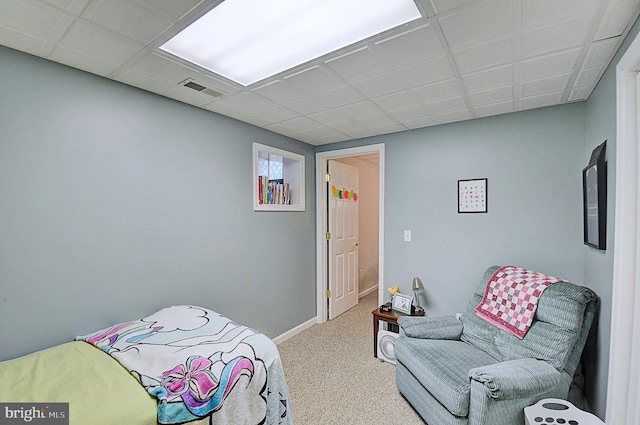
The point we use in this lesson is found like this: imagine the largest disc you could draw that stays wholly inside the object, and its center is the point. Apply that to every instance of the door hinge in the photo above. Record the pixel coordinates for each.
(328, 294)
(328, 236)
(327, 177)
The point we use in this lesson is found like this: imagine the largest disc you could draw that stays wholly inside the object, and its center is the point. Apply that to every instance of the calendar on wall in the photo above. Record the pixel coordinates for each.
(472, 196)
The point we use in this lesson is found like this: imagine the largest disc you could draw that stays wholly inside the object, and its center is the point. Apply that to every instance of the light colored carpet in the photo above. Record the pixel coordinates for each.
(333, 377)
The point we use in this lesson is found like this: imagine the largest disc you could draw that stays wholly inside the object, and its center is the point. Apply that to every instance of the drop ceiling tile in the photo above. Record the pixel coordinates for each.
(547, 99)
(580, 93)
(163, 68)
(439, 91)
(329, 117)
(142, 80)
(495, 109)
(226, 109)
(423, 121)
(313, 80)
(381, 85)
(426, 73)
(588, 77)
(278, 114)
(360, 110)
(324, 133)
(323, 101)
(170, 9)
(29, 18)
(616, 18)
(280, 92)
(74, 6)
(250, 103)
(544, 85)
(358, 65)
(81, 60)
(442, 6)
(378, 130)
(454, 116)
(410, 48)
(19, 41)
(492, 96)
(451, 104)
(600, 52)
(395, 101)
(409, 113)
(541, 13)
(326, 139)
(488, 55)
(301, 124)
(287, 131)
(489, 78)
(566, 36)
(128, 19)
(543, 66)
(481, 23)
(93, 41)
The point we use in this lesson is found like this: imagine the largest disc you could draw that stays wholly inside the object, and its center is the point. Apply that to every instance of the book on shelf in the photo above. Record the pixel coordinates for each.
(273, 192)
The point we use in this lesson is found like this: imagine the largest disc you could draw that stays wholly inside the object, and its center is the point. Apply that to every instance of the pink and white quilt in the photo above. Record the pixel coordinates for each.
(202, 367)
(511, 298)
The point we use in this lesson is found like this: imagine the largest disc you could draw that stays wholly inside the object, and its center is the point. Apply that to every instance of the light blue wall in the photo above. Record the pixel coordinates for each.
(115, 202)
(533, 162)
(601, 126)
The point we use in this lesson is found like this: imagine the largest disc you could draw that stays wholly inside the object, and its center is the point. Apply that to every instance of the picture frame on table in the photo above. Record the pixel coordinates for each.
(402, 303)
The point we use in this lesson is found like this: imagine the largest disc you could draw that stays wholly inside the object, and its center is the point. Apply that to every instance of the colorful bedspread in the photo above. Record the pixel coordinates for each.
(511, 299)
(202, 367)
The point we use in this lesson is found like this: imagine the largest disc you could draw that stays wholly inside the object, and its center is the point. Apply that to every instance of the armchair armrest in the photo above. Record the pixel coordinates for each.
(445, 327)
(517, 379)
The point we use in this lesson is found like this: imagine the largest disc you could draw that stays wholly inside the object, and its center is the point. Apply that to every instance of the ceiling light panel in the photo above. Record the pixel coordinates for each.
(249, 40)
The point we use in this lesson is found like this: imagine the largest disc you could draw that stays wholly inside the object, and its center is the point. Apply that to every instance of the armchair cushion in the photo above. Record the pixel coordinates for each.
(448, 376)
(445, 327)
(515, 379)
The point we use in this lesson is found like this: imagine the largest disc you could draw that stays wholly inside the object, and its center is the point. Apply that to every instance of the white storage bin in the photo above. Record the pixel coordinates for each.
(556, 411)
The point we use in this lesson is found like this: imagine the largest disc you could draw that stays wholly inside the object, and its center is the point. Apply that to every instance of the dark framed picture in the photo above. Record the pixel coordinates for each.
(402, 303)
(594, 198)
(472, 196)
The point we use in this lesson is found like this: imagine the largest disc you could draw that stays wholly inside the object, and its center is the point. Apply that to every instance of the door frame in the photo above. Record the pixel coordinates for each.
(321, 220)
(623, 389)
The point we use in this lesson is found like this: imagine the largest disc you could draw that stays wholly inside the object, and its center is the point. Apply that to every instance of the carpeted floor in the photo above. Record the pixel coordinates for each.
(333, 377)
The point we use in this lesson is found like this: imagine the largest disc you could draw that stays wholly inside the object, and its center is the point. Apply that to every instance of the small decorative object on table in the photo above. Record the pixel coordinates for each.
(402, 303)
(386, 307)
(418, 288)
(558, 411)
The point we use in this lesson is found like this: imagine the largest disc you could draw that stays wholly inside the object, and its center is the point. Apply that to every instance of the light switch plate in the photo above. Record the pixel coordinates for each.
(407, 235)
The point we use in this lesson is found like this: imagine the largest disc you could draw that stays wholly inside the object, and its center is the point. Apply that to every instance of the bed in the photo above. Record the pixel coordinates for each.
(182, 364)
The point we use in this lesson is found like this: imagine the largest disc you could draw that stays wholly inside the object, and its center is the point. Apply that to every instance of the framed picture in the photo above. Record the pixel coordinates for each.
(402, 303)
(472, 196)
(594, 197)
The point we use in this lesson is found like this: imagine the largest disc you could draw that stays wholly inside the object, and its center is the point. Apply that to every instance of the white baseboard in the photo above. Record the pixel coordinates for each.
(367, 291)
(293, 332)
(306, 325)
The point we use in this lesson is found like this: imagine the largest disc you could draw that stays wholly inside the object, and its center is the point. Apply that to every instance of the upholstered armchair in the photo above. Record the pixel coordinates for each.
(469, 371)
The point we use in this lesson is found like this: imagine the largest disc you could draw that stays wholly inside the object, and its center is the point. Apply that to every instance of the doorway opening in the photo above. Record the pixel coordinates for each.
(362, 154)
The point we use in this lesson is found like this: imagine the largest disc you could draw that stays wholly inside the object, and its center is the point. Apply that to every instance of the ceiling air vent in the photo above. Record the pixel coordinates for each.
(190, 83)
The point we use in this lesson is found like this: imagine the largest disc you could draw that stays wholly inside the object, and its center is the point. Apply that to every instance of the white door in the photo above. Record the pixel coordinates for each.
(343, 237)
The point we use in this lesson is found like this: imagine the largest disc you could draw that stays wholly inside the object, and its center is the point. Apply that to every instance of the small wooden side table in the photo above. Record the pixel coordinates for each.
(389, 317)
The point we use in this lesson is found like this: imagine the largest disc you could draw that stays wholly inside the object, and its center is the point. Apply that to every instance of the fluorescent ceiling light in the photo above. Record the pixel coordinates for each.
(249, 40)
